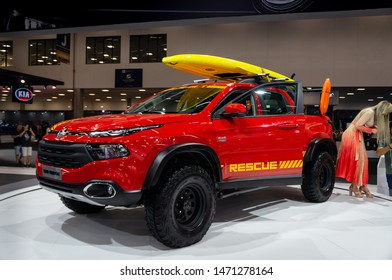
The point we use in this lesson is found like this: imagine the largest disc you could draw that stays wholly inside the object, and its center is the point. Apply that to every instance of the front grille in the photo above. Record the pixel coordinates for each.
(60, 186)
(63, 154)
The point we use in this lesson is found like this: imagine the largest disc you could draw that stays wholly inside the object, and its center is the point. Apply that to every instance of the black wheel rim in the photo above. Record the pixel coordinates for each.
(190, 207)
(325, 176)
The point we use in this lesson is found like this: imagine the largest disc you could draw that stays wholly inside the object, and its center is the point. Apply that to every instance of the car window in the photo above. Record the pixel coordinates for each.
(236, 96)
(275, 100)
(267, 99)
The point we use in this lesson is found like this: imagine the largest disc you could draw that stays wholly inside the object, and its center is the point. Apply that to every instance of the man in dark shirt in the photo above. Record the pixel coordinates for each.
(27, 144)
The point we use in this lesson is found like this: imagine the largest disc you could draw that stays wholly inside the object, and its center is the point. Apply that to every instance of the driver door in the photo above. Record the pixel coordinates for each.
(266, 139)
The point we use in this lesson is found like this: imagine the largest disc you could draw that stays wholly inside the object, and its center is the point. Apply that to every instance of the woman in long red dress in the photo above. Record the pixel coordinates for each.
(352, 163)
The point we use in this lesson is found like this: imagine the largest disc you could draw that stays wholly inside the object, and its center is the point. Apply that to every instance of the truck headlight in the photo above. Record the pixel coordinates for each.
(107, 151)
(121, 132)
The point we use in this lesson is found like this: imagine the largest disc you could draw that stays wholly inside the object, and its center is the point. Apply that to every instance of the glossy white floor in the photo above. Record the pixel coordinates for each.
(267, 224)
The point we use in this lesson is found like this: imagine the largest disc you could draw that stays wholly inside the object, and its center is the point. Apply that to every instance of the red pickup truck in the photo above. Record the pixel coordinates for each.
(180, 150)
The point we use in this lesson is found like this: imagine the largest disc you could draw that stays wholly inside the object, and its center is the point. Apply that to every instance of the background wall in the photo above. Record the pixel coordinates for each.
(351, 49)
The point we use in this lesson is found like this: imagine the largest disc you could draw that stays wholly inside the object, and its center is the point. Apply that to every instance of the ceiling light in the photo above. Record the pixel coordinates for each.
(370, 99)
(142, 89)
(360, 89)
(105, 90)
(350, 93)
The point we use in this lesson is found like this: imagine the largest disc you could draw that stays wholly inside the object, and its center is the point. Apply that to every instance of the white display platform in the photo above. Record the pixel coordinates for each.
(275, 223)
(382, 184)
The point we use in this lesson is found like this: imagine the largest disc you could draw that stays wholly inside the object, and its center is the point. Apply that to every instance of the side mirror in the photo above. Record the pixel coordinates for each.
(235, 109)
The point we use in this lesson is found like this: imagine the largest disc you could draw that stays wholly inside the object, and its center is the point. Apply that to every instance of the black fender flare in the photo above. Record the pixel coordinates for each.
(168, 153)
(318, 145)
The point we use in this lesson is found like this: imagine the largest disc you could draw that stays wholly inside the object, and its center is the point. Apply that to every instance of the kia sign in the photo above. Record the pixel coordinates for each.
(22, 94)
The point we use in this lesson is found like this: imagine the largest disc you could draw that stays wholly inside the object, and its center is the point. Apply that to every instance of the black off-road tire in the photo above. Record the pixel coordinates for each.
(80, 207)
(319, 178)
(180, 210)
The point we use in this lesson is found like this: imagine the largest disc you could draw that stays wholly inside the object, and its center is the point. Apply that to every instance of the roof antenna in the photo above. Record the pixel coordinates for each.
(292, 76)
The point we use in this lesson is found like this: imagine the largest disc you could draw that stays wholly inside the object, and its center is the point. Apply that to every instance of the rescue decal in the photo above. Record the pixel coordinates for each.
(260, 166)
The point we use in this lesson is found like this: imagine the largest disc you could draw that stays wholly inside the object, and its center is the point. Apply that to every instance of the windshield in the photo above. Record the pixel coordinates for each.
(184, 100)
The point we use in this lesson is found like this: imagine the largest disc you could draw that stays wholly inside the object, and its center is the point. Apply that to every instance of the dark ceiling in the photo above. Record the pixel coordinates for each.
(9, 77)
(46, 15)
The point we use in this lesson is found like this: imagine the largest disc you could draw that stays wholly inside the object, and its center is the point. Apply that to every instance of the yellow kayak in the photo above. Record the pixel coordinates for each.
(215, 67)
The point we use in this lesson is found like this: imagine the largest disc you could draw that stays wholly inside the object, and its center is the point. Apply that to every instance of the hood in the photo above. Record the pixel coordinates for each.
(118, 121)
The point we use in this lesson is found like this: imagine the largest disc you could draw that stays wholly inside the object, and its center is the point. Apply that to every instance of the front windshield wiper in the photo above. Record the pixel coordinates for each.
(151, 112)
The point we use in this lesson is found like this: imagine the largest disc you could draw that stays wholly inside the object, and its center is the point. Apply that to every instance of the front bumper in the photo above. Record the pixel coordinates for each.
(96, 192)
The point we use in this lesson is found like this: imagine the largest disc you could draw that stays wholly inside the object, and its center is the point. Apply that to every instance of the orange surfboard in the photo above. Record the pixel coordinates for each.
(324, 98)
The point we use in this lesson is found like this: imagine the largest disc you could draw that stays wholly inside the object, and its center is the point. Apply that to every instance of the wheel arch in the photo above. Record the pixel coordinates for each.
(183, 153)
(319, 145)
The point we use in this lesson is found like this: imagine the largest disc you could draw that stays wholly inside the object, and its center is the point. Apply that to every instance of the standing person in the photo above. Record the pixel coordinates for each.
(27, 144)
(385, 148)
(352, 163)
(17, 136)
(45, 128)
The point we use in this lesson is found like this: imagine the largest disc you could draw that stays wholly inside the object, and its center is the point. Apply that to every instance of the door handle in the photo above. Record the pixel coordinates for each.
(288, 125)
